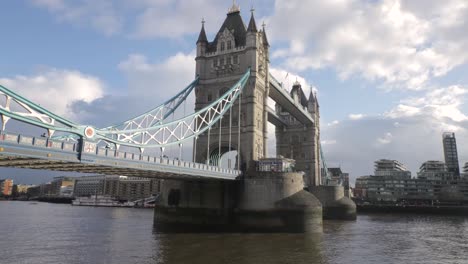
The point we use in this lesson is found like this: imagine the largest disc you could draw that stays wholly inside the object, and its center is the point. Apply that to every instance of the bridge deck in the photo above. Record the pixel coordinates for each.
(282, 97)
(41, 153)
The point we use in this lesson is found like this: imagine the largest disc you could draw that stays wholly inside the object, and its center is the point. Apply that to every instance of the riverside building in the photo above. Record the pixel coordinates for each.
(450, 153)
(436, 181)
(120, 187)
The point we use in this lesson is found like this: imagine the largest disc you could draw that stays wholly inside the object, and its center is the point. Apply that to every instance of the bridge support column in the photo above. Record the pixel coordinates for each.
(276, 201)
(194, 206)
(336, 206)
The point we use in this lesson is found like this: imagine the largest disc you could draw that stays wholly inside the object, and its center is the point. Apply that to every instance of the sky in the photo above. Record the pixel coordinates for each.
(390, 74)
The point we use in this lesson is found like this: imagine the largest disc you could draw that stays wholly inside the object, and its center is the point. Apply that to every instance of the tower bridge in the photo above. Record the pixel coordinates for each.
(232, 90)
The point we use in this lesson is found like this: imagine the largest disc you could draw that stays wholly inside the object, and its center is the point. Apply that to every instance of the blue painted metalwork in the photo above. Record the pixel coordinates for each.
(83, 153)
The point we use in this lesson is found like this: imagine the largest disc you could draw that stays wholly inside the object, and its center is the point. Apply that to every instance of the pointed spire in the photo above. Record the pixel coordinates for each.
(252, 25)
(202, 37)
(234, 9)
(265, 40)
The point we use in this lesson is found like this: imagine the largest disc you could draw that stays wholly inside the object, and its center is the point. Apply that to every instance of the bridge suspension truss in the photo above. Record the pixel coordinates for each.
(150, 130)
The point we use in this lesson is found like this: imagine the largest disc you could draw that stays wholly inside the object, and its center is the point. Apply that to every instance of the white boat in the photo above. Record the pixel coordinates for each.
(100, 200)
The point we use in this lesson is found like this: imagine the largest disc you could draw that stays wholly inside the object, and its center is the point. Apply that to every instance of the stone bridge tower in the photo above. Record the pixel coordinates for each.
(219, 65)
(300, 142)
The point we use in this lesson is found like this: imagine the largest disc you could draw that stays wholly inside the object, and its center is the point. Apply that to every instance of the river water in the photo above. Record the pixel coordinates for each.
(53, 233)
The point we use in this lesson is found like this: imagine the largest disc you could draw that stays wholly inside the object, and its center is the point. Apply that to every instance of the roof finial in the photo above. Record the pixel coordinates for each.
(263, 25)
(297, 82)
(235, 8)
(203, 21)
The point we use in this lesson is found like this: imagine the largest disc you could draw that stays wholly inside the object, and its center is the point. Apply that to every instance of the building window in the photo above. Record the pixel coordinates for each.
(222, 46)
(229, 45)
(214, 63)
(210, 97)
(236, 59)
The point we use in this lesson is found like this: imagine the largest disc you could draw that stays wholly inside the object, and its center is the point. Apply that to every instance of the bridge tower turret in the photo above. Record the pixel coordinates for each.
(301, 142)
(219, 64)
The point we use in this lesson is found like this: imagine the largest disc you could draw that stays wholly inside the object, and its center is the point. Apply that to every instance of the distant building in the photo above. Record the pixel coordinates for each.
(394, 168)
(6, 187)
(465, 169)
(62, 186)
(23, 188)
(34, 191)
(450, 153)
(434, 170)
(434, 183)
(134, 188)
(89, 185)
(119, 187)
(336, 177)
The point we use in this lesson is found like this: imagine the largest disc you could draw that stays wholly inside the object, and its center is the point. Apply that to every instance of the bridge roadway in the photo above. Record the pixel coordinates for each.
(282, 97)
(46, 154)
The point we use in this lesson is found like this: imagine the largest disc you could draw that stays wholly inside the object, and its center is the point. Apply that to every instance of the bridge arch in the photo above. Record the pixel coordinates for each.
(225, 157)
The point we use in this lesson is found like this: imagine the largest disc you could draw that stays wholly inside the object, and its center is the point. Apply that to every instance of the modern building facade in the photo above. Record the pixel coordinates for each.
(393, 168)
(450, 153)
(434, 170)
(433, 184)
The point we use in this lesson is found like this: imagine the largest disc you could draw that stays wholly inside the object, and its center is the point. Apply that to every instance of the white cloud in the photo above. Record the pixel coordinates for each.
(149, 84)
(173, 19)
(333, 123)
(386, 139)
(389, 40)
(101, 15)
(439, 103)
(356, 116)
(56, 89)
(163, 79)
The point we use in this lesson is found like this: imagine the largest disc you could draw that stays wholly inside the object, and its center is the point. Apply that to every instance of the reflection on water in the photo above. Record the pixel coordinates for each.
(49, 233)
(240, 248)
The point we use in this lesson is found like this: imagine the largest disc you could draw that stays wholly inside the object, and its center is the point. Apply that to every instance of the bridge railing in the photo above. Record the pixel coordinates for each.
(39, 142)
(91, 148)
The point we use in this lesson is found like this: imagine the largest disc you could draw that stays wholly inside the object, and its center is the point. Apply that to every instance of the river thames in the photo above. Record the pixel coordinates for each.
(39, 233)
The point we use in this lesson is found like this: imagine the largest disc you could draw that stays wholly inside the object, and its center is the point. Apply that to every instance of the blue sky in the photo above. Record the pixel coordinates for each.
(390, 74)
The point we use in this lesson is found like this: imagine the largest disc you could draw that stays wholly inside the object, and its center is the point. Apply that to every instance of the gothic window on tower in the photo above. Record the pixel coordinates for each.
(229, 45)
(214, 63)
(236, 59)
(222, 61)
(222, 46)
(210, 97)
